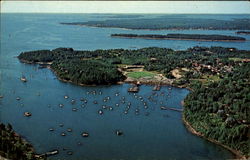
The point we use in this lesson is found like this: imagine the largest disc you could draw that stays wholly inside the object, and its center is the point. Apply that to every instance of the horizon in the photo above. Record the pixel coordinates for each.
(127, 13)
(127, 7)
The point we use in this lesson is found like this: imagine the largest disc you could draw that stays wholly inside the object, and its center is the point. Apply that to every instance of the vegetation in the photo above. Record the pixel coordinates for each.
(12, 146)
(220, 110)
(166, 22)
(218, 105)
(79, 67)
(87, 72)
(140, 74)
(183, 37)
(243, 32)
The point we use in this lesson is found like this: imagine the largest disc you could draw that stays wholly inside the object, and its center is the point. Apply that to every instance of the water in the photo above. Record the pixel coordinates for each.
(152, 134)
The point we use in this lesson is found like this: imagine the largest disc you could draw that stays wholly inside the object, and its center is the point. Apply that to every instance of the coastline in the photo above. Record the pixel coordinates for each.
(30, 62)
(31, 147)
(238, 154)
(147, 29)
(26, 141)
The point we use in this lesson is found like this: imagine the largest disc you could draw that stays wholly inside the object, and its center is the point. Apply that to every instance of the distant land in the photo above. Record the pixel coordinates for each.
(243, 32)
(196, 37)
(175, 23)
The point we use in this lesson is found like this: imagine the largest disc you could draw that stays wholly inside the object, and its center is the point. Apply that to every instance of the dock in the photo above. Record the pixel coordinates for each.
(171, 108)
(134, 89)
(50, 153)
(157, 88)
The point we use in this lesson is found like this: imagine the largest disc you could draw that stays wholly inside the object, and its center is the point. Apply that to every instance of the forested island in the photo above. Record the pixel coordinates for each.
(176, 23)
(243, 32)
(196, 37)
(218, 104)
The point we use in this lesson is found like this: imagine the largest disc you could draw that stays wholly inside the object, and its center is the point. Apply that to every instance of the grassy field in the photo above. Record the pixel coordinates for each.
(211, 77)
(140, 74)
(235, 59)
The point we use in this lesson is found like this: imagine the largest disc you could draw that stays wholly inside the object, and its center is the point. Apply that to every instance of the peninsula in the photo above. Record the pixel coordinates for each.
(243, 32)
(216, 108)
(196, 37)
(166, 22)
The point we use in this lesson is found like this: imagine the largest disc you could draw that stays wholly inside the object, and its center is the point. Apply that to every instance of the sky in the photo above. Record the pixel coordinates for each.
(223, 7)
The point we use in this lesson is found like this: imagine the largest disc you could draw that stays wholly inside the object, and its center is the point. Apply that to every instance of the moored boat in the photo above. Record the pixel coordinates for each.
(27, 114)
(23, 79)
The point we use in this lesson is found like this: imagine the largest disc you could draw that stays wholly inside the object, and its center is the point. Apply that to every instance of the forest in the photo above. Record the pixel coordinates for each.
(179, 23)
(88, 72)
(220, 110)
(243, 32)
(218, 105)
(12, 146)
(183, 37)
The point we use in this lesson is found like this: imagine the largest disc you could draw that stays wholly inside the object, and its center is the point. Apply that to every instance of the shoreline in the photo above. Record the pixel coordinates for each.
(147, 29)
(31, 147)
(23, 140)
(237, 154)
(181, 39)
(30, 62)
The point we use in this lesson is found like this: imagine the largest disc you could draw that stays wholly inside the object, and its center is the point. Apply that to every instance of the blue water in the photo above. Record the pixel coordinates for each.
(150, 133)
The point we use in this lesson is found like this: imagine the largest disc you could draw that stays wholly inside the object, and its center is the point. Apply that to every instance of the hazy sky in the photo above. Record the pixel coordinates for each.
(126, 6)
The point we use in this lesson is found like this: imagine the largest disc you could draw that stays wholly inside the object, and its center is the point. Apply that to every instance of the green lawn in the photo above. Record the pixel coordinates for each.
(235, 59)
(140, 74)
(211, 77)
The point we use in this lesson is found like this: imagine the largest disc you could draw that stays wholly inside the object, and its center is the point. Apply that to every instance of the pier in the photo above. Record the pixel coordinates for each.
(134, 89)
(171, 108)
(50, 153)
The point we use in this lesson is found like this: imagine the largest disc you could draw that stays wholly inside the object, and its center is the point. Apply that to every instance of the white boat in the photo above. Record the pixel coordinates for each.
(23, 79)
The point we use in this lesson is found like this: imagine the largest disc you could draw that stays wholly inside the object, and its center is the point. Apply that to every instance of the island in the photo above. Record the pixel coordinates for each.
(169, 23)
(243, 32)
(217, 107)
(196, 37)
